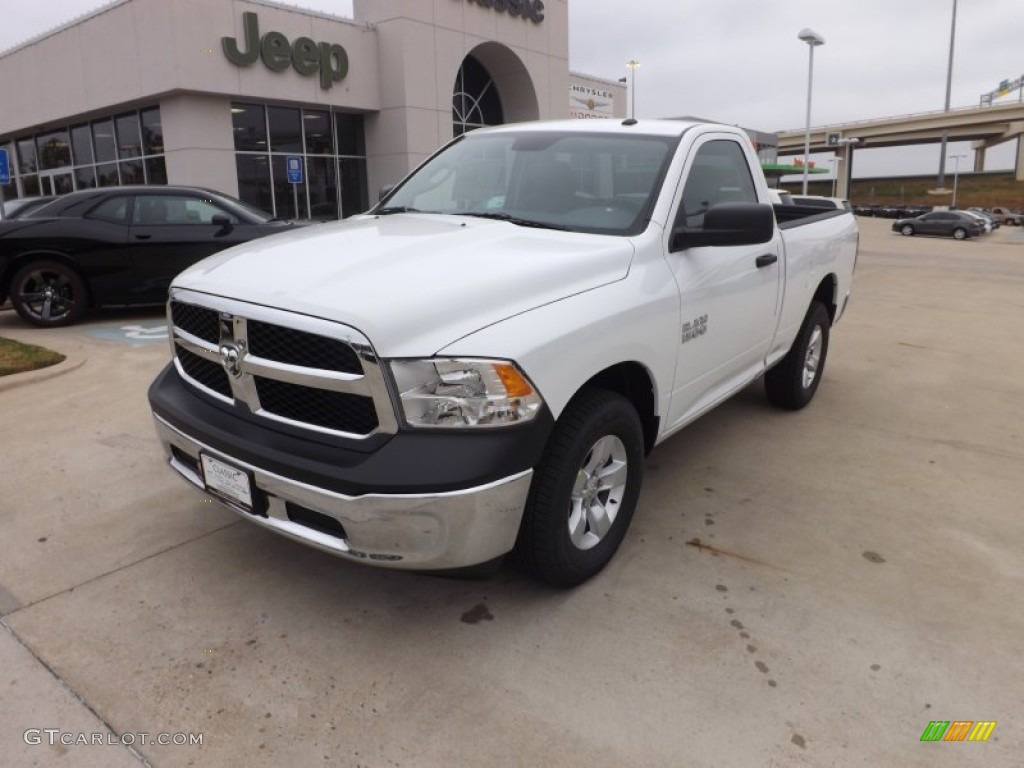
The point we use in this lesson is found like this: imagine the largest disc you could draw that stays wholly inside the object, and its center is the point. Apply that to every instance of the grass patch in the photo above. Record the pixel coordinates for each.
(985, 190)
(16, 357)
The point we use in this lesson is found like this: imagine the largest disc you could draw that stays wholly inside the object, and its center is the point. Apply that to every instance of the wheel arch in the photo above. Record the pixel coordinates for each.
(827, 293)
(634, 382)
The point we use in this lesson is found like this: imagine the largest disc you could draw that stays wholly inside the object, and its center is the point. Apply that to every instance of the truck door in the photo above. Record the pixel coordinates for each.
(729, 295)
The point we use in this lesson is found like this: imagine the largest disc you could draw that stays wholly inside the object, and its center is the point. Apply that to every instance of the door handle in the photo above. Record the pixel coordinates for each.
(766, 260)
(143, 237)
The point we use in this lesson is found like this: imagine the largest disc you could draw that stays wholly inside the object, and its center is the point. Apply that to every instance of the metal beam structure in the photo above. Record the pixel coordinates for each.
(987, 126)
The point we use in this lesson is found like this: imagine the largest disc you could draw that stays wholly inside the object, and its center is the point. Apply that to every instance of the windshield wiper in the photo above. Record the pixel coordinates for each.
(397, 209)
(498, 216)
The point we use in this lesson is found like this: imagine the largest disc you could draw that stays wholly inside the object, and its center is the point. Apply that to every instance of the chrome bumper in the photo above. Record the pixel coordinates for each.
(433, 531)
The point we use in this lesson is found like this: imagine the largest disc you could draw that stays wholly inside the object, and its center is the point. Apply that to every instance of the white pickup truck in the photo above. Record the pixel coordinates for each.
(480, 364)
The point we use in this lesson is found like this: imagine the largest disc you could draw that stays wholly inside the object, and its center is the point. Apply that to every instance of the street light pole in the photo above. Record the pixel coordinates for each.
(632, 65)
(812, 39)
(949, 86)
(835, 176)
(956, 176)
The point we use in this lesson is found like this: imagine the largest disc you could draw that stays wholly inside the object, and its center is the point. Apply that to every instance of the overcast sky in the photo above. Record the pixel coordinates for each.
(739, 61)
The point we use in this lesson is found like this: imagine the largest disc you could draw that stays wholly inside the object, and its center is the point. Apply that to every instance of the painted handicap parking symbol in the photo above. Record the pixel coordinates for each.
(130, 333)
(141, 332)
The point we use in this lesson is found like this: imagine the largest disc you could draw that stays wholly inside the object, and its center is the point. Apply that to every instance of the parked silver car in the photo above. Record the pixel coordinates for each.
(956, 224)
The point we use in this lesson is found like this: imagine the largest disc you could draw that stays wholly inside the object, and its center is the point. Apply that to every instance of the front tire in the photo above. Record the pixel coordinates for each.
(792, 383)
(907, 230)
(48, 294)
(584, 490)
(960, 233)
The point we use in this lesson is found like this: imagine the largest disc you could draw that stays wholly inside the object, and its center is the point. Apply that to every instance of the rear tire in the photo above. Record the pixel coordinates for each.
(792, 383)
(48, 294)
(584, 490)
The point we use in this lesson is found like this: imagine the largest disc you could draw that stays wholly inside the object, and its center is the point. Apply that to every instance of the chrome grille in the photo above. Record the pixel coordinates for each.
(285, 367)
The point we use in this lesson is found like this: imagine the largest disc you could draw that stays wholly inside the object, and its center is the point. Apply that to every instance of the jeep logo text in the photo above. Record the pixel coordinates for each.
(304, 55)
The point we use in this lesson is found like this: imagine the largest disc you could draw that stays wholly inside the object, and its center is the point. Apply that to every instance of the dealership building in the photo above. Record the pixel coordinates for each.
(248, 96)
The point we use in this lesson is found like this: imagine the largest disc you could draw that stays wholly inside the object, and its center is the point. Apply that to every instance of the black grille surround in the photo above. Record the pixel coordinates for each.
(281, 367)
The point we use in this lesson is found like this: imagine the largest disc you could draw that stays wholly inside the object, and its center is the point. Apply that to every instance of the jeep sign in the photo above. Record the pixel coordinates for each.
(304, 55)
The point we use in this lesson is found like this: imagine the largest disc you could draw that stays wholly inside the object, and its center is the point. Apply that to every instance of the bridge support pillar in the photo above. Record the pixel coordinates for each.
(979, 159)
(844, 172)
(1020, 159)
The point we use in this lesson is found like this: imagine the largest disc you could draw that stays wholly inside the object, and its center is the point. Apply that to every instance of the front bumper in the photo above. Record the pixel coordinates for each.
(421, 531)
(416, 499)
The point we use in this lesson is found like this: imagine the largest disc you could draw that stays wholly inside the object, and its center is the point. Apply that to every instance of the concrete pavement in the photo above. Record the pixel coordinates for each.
(796, 589)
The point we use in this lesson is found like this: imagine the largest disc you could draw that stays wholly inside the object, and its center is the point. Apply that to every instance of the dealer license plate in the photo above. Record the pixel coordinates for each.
(230, 483)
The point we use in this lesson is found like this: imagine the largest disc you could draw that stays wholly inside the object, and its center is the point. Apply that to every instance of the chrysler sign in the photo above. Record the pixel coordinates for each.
(304, 55)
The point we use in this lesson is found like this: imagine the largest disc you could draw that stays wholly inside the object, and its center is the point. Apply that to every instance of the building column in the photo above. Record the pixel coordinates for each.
(199, 144)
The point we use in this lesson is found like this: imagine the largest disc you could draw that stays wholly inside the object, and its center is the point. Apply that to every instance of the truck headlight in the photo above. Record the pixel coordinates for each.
(464, 393)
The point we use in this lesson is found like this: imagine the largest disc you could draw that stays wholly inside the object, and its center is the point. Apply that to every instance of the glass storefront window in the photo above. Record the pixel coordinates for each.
(131, 172)
(156, 170)
(285, 129)
(30, 185)
(323, 188)
(85, 178)
(129, 139)
(27, 156)
(249, 124)
(353, 187)
(351, 140)
(152, 132)
(103, 140)
(317, 126)
(319, 137)
(81, 145)
(88, 155)
(61, 183)
(106, 175)
(254, 181)
(54, 150)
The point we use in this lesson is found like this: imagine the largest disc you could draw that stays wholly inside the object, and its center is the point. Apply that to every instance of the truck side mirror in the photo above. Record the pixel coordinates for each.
(728, 224)
(384, 191)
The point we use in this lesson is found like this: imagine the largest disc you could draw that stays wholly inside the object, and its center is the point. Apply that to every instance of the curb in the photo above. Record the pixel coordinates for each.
(72, 362)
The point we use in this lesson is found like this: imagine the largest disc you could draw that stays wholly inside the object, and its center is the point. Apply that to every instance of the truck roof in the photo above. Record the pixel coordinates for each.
(667, 127)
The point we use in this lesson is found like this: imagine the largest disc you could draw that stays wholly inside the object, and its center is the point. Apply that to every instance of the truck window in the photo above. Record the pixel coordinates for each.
(720, 174)
(585, 182)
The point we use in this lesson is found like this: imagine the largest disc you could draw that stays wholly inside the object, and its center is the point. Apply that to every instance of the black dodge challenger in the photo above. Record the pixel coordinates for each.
(116, 246)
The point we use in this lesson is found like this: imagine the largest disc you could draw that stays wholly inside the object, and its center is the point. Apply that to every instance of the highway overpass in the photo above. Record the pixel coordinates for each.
(983, 126)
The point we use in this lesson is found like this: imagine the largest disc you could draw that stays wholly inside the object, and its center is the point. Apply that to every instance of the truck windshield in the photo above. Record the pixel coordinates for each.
(581, 182)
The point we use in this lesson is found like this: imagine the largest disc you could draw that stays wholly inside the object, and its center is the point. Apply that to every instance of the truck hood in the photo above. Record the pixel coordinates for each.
(412, 283)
